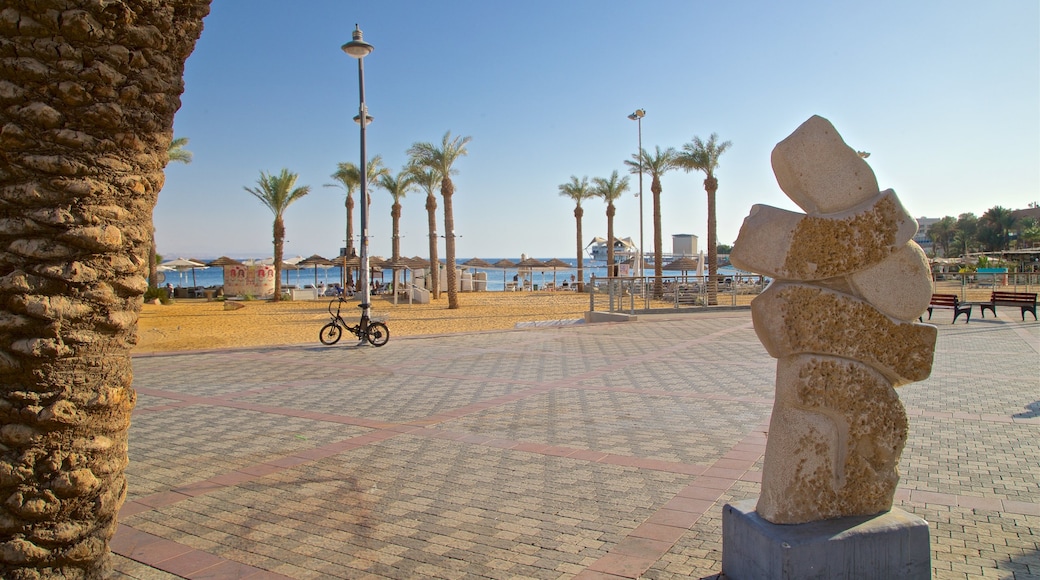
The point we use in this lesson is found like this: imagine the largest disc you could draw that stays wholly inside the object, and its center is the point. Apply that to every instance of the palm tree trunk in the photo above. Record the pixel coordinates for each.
(610, 240)
(348, 276)
(578, 214)
(655, 189)
(395, 242)
(431, 212)
(711, 185)
(83, 158)
(153, 276)
(447, 190)
(279, 242)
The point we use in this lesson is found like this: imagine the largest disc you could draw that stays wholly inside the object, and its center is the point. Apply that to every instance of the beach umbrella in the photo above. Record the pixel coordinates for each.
(183, 265)
(347, 264)
(557, 264)
(531, 264)
(223, 261)
(315, 260)
(684, 264)
(477, 263)
(504, 264)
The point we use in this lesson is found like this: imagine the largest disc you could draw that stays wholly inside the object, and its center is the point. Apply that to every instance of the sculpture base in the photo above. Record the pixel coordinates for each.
(893, 544)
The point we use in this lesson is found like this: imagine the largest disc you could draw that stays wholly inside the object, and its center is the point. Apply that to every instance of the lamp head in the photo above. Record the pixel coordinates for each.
(357, 47)
(639, 114)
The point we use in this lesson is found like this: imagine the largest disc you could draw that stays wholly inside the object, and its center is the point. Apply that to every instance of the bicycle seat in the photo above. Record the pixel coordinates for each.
(363, 305)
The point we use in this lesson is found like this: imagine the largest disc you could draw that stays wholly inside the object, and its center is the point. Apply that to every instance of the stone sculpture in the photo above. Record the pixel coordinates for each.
(848, 284)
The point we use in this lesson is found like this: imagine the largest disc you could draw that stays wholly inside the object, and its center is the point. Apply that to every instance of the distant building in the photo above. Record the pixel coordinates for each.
(684, 244)
(922, 239)
(1031, 212)
(624, 248)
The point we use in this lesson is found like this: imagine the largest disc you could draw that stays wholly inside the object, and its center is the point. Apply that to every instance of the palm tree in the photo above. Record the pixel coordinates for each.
(72, 287)
(610, 189)
(428, 180)
(655, 165)
(700, 156)
(441, 160)
(967, 231)
(397, 186)
(941, 233)
(578, 190)
(1001, 221)
(277, 192)
(176, 152)
(349, 177)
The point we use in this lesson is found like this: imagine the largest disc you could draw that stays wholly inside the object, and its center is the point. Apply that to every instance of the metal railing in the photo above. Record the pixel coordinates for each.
(977, 286)
(634, 294)
(640, 293)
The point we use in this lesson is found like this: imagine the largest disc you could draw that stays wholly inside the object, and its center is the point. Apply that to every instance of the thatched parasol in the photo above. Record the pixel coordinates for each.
(684, 263)
(504, 265)
(316, 260)
(224, 261)
(531, 264)
(477, 263)
(558, 264)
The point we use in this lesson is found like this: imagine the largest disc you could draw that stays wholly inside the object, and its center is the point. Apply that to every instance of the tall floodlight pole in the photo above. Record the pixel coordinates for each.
(359, 49)
(638, 118)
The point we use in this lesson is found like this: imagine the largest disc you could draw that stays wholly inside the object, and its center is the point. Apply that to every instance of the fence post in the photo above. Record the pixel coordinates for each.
(592, 293)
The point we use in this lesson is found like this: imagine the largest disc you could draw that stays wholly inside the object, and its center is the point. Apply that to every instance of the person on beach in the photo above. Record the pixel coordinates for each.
(169, 290)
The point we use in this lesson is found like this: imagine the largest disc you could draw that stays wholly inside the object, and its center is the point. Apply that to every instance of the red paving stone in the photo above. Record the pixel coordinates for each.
(640, 545)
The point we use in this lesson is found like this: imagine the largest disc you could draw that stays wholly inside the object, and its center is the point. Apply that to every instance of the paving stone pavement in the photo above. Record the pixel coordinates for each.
(594, 451)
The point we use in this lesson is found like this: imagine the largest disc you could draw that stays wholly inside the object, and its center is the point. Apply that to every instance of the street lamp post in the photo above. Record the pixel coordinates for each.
(359, 49)
(638, 118)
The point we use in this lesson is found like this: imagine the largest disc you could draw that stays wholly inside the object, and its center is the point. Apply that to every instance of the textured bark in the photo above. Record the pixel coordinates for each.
(395, 240)
(153, 281)
(578, 214)
(88, 91)
(350, 226)
(711, 185)
(395, 217)
(655, 189)
(435, 279)
(279, 255)
(348, 273)
(447, 190)
(610, 239)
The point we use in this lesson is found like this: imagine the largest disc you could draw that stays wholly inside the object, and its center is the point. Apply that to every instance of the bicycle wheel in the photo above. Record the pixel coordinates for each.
(377, 333)
(330, 333)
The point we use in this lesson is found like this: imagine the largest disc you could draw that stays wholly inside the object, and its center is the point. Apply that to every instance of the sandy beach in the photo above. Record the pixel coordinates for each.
(189, 324)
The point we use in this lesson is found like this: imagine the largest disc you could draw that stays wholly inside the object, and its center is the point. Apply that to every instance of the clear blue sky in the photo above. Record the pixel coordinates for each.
(943, 93)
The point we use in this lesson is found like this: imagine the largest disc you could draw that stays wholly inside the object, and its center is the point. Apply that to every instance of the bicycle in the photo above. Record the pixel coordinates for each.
(375, 332)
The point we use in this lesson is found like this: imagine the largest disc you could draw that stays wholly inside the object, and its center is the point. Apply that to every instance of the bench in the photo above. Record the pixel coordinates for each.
(1024, 300)
(951, 302)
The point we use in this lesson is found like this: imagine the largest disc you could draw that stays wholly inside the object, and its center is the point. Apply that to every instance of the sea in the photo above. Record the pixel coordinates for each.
(321, 276)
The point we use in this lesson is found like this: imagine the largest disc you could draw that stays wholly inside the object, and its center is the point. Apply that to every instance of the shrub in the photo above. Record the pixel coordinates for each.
(153, 293)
